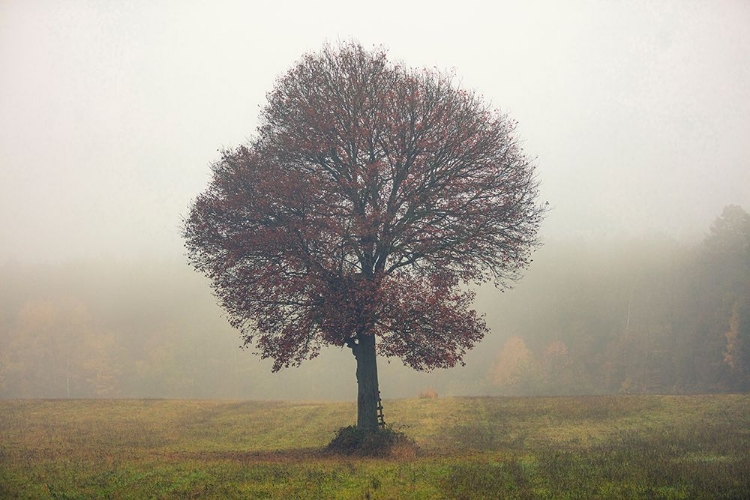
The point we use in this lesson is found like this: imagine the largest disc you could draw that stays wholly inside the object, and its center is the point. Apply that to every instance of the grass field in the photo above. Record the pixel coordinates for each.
(582, 447)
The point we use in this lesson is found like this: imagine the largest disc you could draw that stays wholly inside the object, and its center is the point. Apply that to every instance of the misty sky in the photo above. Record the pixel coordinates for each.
(111, 112)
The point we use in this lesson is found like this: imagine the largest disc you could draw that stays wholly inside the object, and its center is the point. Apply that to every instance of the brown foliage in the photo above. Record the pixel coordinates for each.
(370, 193)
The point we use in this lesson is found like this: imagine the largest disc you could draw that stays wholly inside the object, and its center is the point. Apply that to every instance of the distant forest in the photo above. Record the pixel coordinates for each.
(639, 317)
(648, 316)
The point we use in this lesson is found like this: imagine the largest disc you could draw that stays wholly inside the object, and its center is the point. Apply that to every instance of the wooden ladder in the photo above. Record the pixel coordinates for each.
(381, 418)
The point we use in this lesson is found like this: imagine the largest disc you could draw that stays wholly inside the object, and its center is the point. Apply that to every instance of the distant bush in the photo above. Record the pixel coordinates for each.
(384, 443)
(428, 394)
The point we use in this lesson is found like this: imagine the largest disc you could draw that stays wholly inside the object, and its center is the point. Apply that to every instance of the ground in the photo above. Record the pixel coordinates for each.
(579, 447)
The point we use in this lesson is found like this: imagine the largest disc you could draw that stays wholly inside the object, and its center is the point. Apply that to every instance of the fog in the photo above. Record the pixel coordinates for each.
(638, 115)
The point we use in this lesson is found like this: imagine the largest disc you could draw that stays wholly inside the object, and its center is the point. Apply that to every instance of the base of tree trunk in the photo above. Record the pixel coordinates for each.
(365, 443)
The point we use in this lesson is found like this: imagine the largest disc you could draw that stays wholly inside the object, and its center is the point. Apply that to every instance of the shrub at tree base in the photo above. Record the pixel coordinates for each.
(383, 444)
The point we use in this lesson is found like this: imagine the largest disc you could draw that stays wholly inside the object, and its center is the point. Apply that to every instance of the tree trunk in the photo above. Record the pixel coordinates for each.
(367, 384)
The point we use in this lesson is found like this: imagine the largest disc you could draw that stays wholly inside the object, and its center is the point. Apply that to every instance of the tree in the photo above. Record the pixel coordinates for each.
(370, 194)
(724, 288)
(513, 368)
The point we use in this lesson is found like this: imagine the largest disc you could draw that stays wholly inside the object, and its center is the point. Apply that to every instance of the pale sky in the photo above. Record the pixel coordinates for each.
(111, 112)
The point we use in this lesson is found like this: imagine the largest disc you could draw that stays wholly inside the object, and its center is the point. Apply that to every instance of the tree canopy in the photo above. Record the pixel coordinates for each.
(370, 194)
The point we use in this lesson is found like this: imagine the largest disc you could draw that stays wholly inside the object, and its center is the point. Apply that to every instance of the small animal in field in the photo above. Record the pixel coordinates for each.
(428, 394)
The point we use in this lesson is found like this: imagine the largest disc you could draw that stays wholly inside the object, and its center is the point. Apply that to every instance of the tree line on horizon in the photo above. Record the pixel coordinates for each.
(654, 316)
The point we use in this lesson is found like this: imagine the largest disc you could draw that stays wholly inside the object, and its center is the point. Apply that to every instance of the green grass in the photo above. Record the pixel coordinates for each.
(584, 447)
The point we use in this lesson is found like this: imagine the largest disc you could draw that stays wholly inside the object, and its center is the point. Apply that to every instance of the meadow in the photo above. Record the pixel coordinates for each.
(567, 447)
